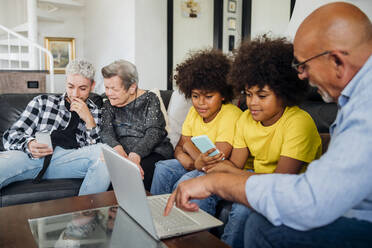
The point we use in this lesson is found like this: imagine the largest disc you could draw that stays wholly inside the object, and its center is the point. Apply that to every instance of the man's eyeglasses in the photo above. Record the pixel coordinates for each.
(300, 66)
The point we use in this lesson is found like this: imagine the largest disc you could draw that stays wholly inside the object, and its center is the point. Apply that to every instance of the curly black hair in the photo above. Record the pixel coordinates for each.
(267, 61)
(205, 70)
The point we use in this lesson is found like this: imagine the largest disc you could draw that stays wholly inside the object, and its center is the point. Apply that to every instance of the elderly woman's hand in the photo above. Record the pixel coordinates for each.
(134, 157)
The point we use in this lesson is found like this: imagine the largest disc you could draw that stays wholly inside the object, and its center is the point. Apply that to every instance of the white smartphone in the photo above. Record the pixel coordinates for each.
(43, 138)
(203, 143)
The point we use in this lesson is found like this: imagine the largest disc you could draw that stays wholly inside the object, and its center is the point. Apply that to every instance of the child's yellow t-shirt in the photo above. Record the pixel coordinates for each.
(220, 129)
(294, 135)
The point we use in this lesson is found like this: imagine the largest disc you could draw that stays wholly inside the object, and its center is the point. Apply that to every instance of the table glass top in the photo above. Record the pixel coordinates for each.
(100, 227)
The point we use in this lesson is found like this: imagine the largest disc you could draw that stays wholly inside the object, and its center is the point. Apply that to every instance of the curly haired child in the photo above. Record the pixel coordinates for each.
(203, 78)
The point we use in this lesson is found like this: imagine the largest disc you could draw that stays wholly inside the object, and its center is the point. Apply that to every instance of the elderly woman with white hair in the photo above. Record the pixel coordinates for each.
(132, 121)
(73, 122)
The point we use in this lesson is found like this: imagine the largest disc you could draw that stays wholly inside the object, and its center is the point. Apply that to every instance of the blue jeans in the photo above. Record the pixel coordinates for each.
(166, 174)
(169, 173)
(208, 204)
(233, 233)
(84, 163)
(343, 232)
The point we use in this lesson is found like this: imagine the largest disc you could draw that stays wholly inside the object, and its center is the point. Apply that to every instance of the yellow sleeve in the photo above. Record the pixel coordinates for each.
(188, 123)
(301, 140)
(226, 130)
(239, 139)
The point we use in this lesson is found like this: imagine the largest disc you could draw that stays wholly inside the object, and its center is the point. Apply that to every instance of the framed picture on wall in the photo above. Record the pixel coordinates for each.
(63, 51)
(231, 6)
(231, 23)
(190, 8)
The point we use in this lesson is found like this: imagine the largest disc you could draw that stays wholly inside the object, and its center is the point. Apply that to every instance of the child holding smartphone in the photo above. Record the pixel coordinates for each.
(274, 135)
(201, 77)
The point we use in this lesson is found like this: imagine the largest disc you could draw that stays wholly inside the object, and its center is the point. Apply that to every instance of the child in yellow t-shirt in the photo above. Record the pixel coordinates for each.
(202, 77)
(274, 135)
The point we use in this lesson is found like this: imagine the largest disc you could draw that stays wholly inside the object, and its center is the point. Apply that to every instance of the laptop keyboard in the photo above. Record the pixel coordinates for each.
(176, 220)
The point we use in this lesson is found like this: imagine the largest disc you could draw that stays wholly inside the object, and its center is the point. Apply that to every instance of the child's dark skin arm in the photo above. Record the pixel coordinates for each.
(235, 164)
(187, 153)
(190, 148)
(288, 165)
(179, 153)
(285, 165)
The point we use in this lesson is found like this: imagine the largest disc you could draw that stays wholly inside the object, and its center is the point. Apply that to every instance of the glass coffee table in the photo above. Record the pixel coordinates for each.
(84, 221)
(99, 228)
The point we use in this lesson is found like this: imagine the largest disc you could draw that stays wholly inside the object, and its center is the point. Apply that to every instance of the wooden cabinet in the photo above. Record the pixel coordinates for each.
(22, 81)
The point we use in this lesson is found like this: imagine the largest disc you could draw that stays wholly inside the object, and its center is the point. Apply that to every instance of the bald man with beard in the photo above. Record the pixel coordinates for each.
(330, 205)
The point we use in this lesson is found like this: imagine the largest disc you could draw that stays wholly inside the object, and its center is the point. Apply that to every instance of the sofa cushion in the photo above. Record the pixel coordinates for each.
(28, 192)
(322, 113)
(11, 107)
(162, 107)
(177, 111)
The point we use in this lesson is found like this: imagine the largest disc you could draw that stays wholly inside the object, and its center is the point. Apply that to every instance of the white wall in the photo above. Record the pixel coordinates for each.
(197, 33)
(14, 13)
(191, 33)
(109, 33)
(131, 30)
(270, 16)
(135, 30)
(104, 31)
(71, 27)
(151, 43)
(10, 18)
(304, 7)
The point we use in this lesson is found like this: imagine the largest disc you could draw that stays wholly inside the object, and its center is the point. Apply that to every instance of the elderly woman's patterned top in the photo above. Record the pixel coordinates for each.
(138, 126)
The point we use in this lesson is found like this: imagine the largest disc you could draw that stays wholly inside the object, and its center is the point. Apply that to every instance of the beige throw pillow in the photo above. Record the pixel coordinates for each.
(162, 107)
(177, 111)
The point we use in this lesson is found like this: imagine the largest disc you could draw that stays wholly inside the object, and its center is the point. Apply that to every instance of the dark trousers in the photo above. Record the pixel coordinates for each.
(148, 166)
(343, 232)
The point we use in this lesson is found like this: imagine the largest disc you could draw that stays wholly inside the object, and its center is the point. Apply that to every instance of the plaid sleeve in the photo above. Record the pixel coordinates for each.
(20, 133)
(93, 134)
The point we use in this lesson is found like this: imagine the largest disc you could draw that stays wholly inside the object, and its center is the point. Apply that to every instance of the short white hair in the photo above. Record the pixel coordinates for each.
(81, 67)
(124, 70)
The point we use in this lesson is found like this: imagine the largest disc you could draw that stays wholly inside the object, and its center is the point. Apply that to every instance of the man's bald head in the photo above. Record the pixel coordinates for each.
(331, 45)
(338, 25)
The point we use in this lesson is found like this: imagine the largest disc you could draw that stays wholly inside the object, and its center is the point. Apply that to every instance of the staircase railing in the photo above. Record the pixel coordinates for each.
(20, 54)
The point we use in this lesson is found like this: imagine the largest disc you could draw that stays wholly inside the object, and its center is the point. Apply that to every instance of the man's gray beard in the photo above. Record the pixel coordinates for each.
(325, 96)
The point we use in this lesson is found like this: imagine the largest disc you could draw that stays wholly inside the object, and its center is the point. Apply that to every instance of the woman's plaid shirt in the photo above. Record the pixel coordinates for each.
(48, 113)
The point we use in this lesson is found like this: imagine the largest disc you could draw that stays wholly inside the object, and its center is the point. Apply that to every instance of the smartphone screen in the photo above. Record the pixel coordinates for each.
(203, 143)
(43, 138)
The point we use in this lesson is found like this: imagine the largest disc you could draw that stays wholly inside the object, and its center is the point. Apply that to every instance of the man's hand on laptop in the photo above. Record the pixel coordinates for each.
(196, 188)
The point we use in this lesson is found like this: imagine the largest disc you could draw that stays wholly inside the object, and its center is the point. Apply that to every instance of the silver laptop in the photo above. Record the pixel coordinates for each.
(148, 211)
(128, 233)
